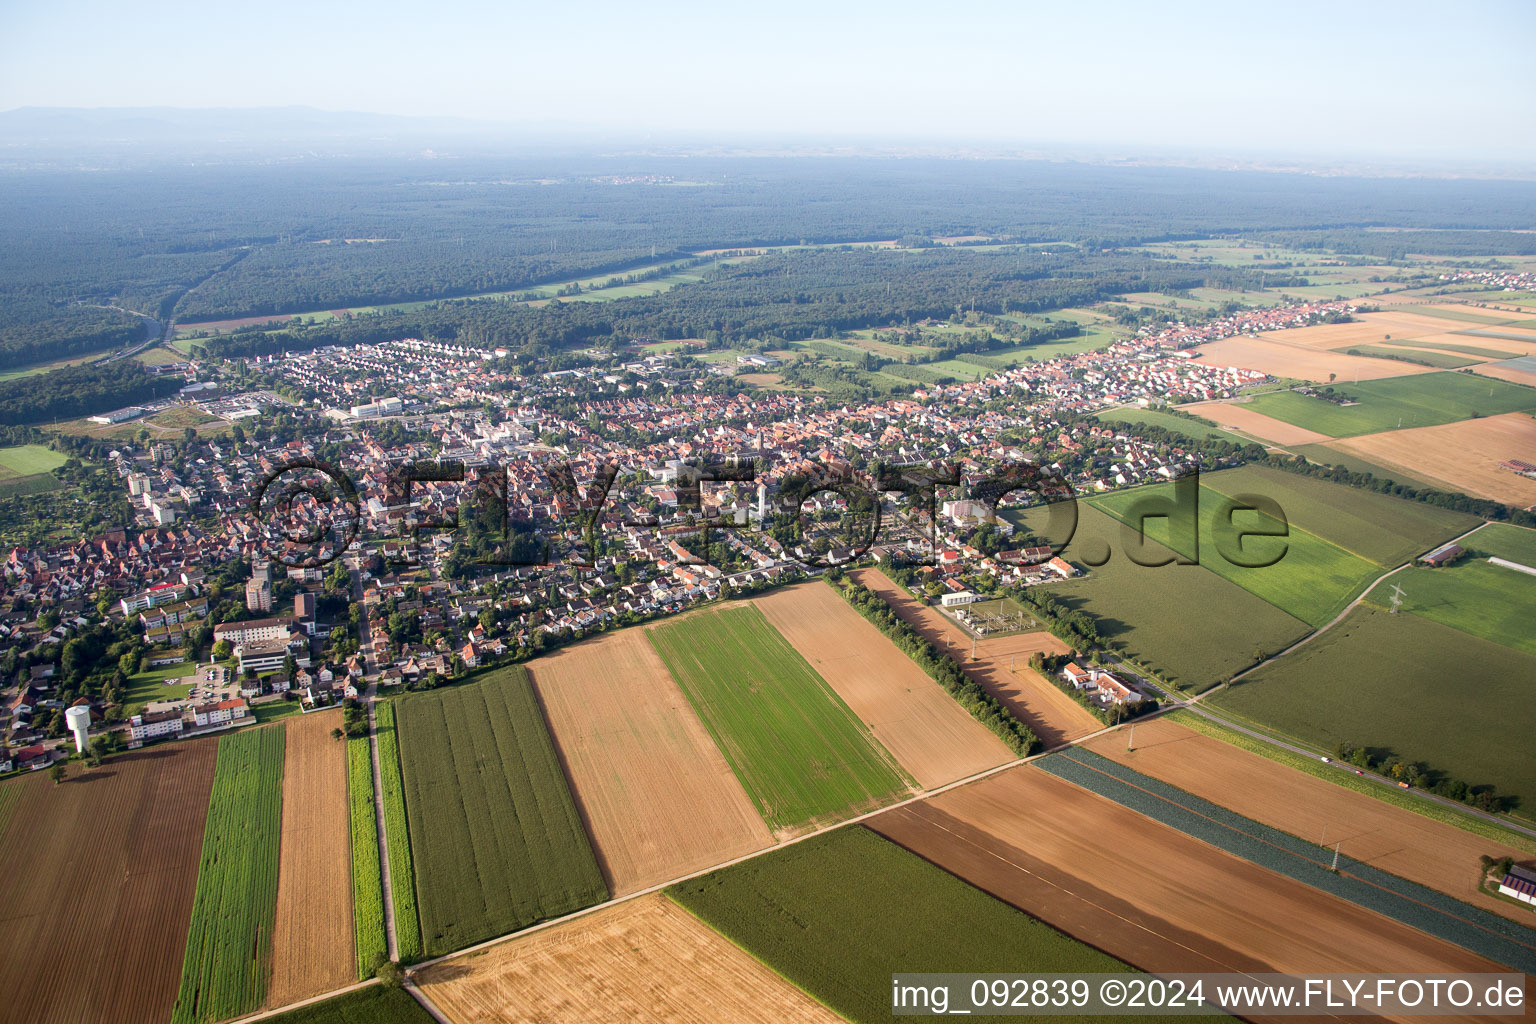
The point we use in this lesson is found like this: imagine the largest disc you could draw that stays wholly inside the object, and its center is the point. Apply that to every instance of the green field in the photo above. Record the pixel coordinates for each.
(1183, 621)
(1312, 580)
(1377, 527)
(1490, 601)
(367, 882)
(798, 750)
(1487, 353)
(28, 460)
(402, 875)
(1323, 455)
(1439, 360)
(1200, 430)
(229, 941)
(1426, 691)
(1420, 400)
(496, 840)
(838, 914)
(1457, 314)
(375, 1004)
(152, 684)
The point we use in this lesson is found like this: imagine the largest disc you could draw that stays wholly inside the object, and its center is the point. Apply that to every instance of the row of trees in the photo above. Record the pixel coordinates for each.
(1421, 776)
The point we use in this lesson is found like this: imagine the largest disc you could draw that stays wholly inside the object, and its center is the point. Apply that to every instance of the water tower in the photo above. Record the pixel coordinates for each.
(79, 721)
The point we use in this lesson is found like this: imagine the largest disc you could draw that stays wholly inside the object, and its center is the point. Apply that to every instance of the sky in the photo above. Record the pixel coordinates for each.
(1338, 78)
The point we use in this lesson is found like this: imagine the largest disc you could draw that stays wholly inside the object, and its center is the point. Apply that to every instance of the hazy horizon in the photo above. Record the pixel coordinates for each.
(1325, 82)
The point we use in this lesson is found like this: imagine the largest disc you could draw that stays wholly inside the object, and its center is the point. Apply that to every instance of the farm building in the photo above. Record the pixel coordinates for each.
(1520, 883)
(1443, 555)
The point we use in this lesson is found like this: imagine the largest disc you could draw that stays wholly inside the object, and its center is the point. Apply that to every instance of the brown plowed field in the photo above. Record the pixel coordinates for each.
(1369, 329)
(1054, 716)
(1147, 893)
(644, 960)
(1508, 373)
(1280, 359)
(98, 876)
(657, 796)
(933, 737)
(1408, 845)
(1239, 417)
(1464, 456)
(312, 934)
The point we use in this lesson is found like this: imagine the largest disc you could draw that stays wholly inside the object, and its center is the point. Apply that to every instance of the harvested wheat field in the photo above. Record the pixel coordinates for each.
(1464, 456)
(1370, 328)
(1001, 665)
(935, 739)
(1147, 893)
(1256, 424)
(1513, 374)
(99, 875)
(643, 960)
(1280, 359)
(657, 796)
(1408, 845)
(312, 932)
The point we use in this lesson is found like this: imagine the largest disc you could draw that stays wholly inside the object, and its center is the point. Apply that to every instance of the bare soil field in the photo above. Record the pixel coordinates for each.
(1408, 845)
(935, 739)
(1238, 417)
(1464, 456)
(1281, 359)
(1368, 329)
(644, 960)
(656, 795)
(312, 936)
(99, 875)
(1510, 373)
(1001, 665)
(1147, 893)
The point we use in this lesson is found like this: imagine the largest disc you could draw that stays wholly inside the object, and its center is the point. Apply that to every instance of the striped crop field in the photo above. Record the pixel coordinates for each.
(402, 876)
(496, 839)
(229, 944)
(367, 882)
(801, 754)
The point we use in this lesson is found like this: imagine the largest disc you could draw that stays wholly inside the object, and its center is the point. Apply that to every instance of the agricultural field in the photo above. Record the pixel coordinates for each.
(229, 943)
(1401, 682)
(807, 912)
(909, 714)
(1377, 527)
(1001, 665)
(100, 873)
(1420, 400)
(1433, 358)
(28, 460)
(367, 879)
(402, 876)
(657, 797)
(1239, 417)
(1451, 920)
(1201, 430)
(1489, 601)
(1331, 453)
(1278, 358)
(1394, 840)
(1520, 370)
(1462, 456)
(1037, 842)
(644, 960)
(803, 757)
(496, 841)
(375, 1004)
(1148, 612)
(313, 927)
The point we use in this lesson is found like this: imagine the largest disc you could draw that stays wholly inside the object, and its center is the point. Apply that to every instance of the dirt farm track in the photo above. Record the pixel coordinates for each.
(1041, 844)
(99, 874)
(645, 960)
(312, 934)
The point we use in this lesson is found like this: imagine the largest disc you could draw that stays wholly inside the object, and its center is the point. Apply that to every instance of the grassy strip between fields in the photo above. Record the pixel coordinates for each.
(367, 882)
(1396, 797)
(229, 943)
(402, 875)
(1417, 906)
(376, 1004)
(839, 913)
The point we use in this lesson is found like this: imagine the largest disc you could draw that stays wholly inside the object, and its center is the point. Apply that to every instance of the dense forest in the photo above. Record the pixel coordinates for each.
(74, 391)
(796, 294)
(223, 240)
(33, 331)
